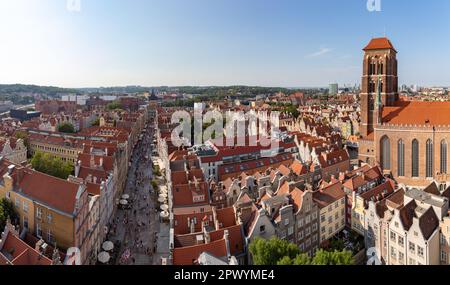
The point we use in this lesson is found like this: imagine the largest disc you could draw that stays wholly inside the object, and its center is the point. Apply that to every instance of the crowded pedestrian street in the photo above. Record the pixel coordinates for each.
(136, 223)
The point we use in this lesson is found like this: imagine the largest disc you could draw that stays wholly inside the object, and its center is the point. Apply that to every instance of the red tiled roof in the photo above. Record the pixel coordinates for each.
(298, 168)
(217, 246)
(254, 165)
(329, 195)
(21, 253)
(379, 43)
(51, 191)
(418, 113)
(183, 194)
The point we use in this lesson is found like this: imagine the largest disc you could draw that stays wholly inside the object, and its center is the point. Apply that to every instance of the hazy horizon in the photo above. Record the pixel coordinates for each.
(262, 43)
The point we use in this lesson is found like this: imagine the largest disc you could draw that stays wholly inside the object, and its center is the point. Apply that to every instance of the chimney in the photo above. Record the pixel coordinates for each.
(192, 226)
(216, 221)
(227, 243)
(77, 168)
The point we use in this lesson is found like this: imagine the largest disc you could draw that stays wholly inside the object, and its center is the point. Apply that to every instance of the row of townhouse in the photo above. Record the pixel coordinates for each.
(50, 208)
(408, 226)
(101, 158)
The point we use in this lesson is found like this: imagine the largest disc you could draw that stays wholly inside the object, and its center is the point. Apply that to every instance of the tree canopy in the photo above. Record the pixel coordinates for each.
(269, 252)
(7, 210)
(45, 163)
(114, 105)
(23, 136)
(281, 252)
(67, 128)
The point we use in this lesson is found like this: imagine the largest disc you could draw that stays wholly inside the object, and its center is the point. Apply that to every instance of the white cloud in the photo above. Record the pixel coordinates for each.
(320, 52)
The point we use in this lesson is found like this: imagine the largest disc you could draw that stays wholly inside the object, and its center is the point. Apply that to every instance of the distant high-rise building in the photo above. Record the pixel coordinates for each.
(334, 89)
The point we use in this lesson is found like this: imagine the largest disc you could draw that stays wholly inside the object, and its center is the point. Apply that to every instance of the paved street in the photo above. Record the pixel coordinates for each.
(135, 228)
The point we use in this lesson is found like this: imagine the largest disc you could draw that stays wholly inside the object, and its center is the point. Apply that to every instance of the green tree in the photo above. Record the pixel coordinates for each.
(96, 122)
(336, 257)
(269, 252)
(23, 136)
(7, 210)
(114, 106)
(66, 128)
(45, 163)
(302, 259)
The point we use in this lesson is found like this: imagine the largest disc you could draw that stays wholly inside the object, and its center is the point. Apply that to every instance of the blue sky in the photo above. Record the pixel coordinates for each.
(288, 43)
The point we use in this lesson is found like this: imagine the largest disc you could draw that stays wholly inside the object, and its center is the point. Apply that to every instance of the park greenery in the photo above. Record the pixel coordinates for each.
(66, 128)
(287, 108)
(54, 166)
(7, 210)
(281, 252)
(115, 105)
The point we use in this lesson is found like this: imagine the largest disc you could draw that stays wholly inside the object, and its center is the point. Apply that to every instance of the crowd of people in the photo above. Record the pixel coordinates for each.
(137, 221)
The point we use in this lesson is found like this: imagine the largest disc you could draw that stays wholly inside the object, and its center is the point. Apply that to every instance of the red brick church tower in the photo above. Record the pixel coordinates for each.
(379, 77)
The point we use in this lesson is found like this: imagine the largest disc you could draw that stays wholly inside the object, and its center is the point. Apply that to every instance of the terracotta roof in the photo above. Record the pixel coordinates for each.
(21, 253)
(51, 191)
(380, 192)
(284, 170)
(334, 157)
(226, 217)
(396, 199)
(379, 43)
(298, 168)
(183, 195)
(418, 113)
(181, 226)
(297, 198)
(217, 247)
(329, 195)
(255, 165)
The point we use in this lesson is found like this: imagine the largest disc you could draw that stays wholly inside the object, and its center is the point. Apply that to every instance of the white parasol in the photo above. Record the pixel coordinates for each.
(107, 246)
(104, 257)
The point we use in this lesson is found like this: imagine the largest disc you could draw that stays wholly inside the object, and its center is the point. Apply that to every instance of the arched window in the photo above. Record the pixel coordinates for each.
(429, 158)
(385, 153)
(401, 158)
(443, 157)
(415, 158)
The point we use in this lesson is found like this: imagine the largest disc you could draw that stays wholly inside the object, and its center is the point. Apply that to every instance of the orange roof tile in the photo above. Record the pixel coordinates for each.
(379, 43)
(418, 113)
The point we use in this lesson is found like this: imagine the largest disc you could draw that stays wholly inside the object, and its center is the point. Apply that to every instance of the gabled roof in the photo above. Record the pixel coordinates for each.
(329, 195)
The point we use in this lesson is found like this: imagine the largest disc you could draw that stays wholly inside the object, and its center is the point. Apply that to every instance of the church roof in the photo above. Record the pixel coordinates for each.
(417, 113)
(379, 43)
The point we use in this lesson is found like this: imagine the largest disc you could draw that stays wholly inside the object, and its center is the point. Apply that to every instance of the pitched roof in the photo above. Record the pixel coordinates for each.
(428, 223)
(379, 43)
(298, 168)
(189, 254)
(329, 195)
(51, 191)
(20, 253)
(417, 113)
